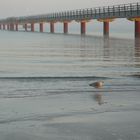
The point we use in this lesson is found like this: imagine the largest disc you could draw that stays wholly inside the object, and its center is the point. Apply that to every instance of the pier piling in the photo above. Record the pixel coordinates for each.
(65, 27)
(52, 27)
(137, 28)
(83, 27)
(106, 28)
(41, 27)
(32, 27)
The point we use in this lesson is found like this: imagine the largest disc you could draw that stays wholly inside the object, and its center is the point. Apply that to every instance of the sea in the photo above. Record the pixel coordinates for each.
(45, 92)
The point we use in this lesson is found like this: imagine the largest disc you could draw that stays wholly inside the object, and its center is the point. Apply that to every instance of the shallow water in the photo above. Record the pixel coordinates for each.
(45, 92)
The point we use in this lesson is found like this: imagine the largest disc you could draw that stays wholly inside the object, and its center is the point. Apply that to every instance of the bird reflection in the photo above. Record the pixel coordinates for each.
(99, 98)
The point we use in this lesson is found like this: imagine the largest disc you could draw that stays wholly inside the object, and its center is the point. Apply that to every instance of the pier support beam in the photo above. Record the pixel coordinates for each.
(137, 26)
(25, 26)
(41, 27)
(137, 29)
(52, 27)
(32, 27)
(3, 26)
(106, 28)
(11, 27)
(65, 27)
(16, 26)
(83, 27)
(7, 26)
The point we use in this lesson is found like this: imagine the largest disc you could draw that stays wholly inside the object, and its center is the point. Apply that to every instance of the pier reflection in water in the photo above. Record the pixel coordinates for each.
(137, 49)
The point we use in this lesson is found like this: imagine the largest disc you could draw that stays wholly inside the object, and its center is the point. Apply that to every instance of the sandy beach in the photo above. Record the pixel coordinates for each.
(75, 116)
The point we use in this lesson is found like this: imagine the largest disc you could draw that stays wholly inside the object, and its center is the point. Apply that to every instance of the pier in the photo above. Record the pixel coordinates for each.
(105, 15)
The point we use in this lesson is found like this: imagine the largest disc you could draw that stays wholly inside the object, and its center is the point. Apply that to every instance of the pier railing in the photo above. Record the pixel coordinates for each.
(115, 11)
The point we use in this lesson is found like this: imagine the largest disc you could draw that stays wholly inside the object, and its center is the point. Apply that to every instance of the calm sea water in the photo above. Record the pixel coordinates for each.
(57, 55)
(35, 65)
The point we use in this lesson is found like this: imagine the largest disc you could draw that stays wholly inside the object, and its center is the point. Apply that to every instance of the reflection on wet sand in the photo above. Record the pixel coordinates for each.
(99, 98)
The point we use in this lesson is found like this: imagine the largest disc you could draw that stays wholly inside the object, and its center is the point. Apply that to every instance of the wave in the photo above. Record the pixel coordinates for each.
(133, 75)
(55, 78)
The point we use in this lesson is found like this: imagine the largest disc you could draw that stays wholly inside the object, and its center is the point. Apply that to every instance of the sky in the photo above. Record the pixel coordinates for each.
(11, 8)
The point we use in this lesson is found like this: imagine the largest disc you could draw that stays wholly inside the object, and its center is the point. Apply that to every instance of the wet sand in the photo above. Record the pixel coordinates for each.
(73, 116)
(116, 126)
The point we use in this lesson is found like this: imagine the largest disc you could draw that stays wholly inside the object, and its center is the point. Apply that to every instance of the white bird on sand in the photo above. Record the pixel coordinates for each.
(98, 84)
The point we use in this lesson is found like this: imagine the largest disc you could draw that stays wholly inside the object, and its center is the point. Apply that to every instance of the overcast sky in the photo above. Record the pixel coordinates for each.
(10, 8)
